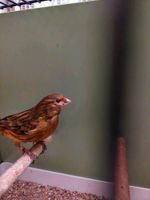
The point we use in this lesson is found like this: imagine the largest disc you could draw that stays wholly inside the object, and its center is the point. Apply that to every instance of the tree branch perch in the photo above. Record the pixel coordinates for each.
(9, 177)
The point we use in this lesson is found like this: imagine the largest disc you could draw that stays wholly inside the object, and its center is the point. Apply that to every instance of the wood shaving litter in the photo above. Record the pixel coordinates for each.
(22, 190)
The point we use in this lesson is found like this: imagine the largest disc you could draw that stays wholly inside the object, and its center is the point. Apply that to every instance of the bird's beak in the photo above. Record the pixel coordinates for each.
(67, 101)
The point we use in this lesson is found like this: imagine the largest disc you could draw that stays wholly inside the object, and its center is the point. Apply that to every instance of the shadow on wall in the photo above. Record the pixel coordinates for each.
(118, 76)
(0, 158)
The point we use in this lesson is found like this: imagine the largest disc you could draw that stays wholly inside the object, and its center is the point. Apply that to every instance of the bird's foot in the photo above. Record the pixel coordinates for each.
(43, 146)
(27, 152)
(31, 155)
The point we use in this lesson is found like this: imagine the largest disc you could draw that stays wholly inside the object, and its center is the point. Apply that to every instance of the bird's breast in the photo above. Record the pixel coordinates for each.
(53, 123)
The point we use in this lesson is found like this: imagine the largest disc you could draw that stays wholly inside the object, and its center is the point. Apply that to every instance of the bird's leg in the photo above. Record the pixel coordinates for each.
(26, 151)
(21, 148)
(43, 146)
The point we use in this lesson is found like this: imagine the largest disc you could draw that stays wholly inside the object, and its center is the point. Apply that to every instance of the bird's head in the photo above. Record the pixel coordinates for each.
(57, 100)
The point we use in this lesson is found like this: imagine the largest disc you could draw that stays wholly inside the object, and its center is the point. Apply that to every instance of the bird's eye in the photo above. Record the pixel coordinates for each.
(58, 100)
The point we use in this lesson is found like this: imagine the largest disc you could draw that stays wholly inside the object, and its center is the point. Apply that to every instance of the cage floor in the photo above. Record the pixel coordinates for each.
(22, 190)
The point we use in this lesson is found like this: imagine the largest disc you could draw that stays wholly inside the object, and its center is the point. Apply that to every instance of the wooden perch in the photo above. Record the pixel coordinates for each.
(9, 177)
(121, 186)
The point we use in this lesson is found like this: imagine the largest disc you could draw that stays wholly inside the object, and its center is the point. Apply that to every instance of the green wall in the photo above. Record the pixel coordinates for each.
(68, 49)
(61, 49)
(137, 109)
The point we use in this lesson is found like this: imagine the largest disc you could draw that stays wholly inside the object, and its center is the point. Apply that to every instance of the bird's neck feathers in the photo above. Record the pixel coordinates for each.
(46, 105)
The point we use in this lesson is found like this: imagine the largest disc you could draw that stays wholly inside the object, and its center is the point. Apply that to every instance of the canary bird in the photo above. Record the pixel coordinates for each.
(36, 123)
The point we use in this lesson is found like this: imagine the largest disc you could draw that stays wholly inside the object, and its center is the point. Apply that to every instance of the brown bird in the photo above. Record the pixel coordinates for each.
(36, 123)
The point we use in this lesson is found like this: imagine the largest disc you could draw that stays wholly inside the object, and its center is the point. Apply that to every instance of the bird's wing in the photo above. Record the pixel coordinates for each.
(27, 124)
(20, 123)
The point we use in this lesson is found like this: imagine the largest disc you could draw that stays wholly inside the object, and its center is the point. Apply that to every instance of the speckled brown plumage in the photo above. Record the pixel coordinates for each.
(34, 124)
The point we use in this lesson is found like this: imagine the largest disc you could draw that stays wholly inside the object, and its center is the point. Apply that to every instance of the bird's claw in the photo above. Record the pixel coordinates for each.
(27, 152)
(31, 155)
(44, 147)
